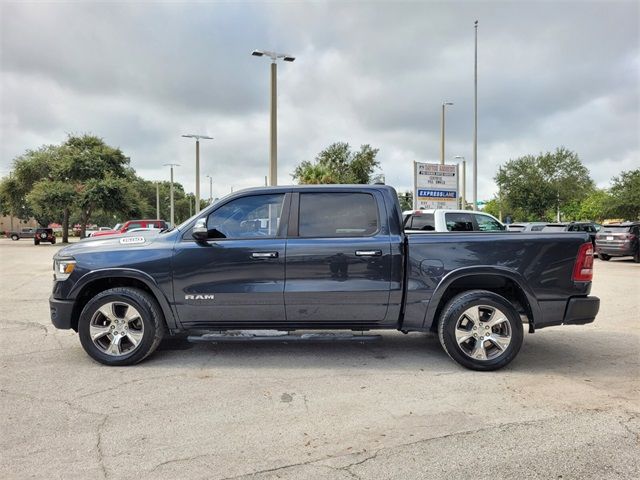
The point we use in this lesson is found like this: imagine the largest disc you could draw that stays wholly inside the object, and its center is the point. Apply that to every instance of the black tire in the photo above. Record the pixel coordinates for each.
(604, 256)
(15, 237)
(53, 242)
(150, 315)
(453, 314)
(36, 242)
(636, 256)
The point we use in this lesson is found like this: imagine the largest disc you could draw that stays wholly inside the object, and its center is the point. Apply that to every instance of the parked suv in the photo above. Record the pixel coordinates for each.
(24, 233)
(589, 227)
(44, 235)
(619, 240)
(449, 221)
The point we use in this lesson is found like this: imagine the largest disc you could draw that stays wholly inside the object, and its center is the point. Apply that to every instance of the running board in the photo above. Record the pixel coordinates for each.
(278, 336)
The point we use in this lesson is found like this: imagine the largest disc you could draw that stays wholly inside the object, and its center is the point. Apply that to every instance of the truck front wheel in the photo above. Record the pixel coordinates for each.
(121, 326)
(480, 330)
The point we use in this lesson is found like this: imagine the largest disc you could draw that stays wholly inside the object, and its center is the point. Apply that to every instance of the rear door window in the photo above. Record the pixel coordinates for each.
(337, 215)
(459, 222)
(422, 221)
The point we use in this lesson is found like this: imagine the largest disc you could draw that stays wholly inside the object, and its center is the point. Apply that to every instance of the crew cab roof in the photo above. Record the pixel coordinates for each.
(300, 188)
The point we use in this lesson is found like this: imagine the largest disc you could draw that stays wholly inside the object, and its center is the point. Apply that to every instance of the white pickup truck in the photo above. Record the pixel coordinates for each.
(415, 221)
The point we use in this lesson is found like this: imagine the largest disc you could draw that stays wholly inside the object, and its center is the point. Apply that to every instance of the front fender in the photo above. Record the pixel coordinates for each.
(131, 273)
(454, 275)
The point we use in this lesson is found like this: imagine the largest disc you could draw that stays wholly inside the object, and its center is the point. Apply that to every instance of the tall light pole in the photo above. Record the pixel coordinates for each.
(210, 188)
(475, 120)
(273, 143)
(463, 194)
(198, 138)
(171, 194)
(442, 132)
(158, 200)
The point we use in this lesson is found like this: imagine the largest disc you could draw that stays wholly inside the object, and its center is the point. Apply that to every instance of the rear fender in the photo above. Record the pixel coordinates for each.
(451, 277)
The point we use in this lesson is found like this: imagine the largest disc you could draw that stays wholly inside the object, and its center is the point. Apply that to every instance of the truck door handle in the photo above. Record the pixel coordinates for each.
(368, 253)
(264, 255)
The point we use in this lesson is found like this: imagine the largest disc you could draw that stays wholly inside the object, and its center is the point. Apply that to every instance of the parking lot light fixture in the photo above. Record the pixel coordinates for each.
(198, 138)
(273, 142)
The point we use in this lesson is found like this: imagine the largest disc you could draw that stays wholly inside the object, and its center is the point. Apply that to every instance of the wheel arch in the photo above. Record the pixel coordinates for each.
(503, 281)
(100, 280)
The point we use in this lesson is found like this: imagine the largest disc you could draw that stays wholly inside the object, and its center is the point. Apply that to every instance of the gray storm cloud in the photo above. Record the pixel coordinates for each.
(140, 75)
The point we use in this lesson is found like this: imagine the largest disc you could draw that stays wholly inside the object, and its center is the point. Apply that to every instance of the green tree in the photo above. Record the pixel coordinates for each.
(28, 169)
(406, 200)
(100, 175)
(595, 206)
(49, 199)
(339, 164)
(84, 175)
(533, 186)
(625, 196)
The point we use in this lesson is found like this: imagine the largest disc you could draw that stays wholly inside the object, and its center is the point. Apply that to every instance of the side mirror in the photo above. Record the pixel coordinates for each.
(199, 232)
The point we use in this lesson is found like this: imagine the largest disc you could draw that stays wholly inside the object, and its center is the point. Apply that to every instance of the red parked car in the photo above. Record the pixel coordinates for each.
(131, 224)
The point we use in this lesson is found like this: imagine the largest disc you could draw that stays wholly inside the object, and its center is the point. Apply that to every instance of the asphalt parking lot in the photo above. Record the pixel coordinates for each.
(567, 407)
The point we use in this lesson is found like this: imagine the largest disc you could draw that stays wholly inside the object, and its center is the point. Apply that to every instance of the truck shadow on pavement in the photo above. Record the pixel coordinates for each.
(570, 350)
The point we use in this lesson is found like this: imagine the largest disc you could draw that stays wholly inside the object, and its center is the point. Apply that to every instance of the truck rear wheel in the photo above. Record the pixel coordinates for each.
(480, 330)
(15, 237)
(121, 326)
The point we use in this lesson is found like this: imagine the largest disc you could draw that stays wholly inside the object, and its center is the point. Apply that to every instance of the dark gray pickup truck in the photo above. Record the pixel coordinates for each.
(319, 258)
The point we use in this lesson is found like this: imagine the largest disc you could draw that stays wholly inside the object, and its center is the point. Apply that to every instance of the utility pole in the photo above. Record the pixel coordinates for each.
(463, 194)
(210, 188)
(475, 120)
(158, 200)
(273, 142)
(171, 191)
(558, 207)
(198, 138)
(442, 132)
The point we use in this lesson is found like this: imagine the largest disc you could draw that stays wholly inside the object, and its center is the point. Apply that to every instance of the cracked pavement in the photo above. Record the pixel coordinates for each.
(567, 407)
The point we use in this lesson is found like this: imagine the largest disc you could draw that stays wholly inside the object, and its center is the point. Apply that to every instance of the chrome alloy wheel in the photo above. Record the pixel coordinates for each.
(116, 328)
(483, 332)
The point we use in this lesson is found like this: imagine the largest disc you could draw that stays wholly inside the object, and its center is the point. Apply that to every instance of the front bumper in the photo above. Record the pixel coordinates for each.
(61, 312)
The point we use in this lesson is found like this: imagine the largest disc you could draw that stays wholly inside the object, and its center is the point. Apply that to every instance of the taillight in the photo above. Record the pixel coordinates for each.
(583, 269)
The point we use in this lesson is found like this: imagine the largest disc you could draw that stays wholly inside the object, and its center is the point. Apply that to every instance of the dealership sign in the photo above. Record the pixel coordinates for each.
(435, 185)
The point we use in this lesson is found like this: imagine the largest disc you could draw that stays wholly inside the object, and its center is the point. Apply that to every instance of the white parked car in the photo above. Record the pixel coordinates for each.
(422, 221)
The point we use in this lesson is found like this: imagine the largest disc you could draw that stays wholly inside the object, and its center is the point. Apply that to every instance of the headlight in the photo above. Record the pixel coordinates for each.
(62, 268)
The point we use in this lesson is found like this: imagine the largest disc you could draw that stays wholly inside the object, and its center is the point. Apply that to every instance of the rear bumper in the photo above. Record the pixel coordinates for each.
(581, 310)
(615, 251)
(61, 311)
(574, 311)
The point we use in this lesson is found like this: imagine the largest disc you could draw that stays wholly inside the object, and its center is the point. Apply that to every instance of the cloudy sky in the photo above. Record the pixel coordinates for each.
(140, 74)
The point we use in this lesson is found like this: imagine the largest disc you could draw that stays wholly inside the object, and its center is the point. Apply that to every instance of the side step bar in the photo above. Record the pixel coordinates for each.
(278, 336)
